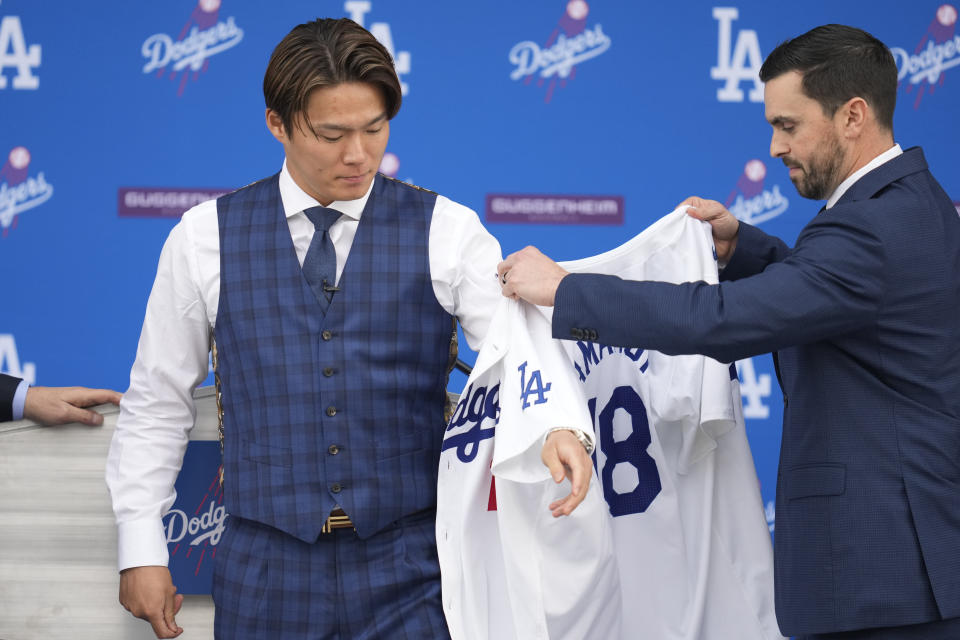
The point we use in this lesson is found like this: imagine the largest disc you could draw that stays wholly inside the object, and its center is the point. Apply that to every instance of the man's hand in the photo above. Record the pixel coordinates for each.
(60, 405)
(565, 457)
(725, 225)
(148, 593)
(530, 275)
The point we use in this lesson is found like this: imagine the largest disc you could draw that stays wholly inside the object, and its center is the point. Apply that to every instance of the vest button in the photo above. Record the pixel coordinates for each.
(328, 371)
(331, 411)
(326, 335)
(333, 449)
(335, 487)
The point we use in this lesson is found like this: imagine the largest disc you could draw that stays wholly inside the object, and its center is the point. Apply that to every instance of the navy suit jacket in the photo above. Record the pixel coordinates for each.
(863, 316)
(8, 388)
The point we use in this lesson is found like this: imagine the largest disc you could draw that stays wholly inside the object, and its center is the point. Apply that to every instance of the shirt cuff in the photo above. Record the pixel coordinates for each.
(141, 543)
(19, 400)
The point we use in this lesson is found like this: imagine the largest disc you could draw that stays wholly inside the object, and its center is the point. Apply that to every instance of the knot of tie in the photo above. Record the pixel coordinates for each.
(322, 217)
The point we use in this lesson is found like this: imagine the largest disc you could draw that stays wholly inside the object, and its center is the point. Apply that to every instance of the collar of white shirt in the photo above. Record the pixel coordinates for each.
(296, 199)
(884, 157)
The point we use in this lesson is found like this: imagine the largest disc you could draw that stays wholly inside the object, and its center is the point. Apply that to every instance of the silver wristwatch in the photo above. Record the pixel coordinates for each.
(580, 435)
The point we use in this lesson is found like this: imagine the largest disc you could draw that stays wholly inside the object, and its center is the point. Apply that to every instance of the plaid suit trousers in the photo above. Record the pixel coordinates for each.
(268, 585)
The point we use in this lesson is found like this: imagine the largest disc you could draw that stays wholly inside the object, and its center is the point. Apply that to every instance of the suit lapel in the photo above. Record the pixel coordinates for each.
(911, 161)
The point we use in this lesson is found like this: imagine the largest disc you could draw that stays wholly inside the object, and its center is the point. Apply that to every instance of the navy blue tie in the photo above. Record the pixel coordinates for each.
(320, 263)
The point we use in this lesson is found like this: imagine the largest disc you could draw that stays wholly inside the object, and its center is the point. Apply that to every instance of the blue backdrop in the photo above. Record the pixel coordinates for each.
(117, 116)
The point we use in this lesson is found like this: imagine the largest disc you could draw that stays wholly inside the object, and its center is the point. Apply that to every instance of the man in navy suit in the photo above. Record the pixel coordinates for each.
(862, 318)
(51, 405)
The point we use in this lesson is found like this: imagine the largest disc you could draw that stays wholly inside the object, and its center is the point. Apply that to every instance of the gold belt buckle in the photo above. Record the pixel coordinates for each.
(337, 519)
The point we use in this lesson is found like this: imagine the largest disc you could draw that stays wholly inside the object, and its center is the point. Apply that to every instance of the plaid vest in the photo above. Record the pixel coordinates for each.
(345, 408)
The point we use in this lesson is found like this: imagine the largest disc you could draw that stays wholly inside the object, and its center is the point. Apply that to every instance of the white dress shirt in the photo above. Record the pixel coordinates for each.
(884, 157)
(157, 411)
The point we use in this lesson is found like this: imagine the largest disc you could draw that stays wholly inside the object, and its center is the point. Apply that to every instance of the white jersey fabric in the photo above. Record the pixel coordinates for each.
(671, 542)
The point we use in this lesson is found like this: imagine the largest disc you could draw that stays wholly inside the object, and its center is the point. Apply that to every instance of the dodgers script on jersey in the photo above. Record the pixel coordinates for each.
(671, 542)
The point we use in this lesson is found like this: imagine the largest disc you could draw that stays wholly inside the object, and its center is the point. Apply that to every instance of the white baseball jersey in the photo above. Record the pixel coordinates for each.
(671, 542)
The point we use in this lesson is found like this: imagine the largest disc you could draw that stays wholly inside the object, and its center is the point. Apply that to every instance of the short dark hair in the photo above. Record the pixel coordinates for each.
(325, 53)
(839, 63)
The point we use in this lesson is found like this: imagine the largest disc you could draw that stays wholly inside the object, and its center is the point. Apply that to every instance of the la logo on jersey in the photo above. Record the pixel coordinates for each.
(15, 54)
(534, 387)
(20, 191)
(570, 44)
(204, 35)
(742, 64)
(751, 201)
(937, 51)
(10, 360)
(356, 10)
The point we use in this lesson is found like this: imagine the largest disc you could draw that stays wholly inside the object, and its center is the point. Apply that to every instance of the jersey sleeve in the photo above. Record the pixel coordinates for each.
(538, 392)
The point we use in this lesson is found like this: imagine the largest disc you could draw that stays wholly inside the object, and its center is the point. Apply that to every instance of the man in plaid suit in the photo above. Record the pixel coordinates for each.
(332, 371)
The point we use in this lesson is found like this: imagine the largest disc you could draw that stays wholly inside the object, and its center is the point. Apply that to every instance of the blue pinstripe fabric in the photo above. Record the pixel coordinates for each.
(268, 585)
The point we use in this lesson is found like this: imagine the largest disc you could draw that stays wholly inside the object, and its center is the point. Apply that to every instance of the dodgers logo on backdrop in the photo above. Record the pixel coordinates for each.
(15, 54)
(937, 51)
(389, 165)
(10, 360)
(195, 522)
(204, 35)
(742, 64)
(20, 191)
(570, 44)
(357, 9)
(750, 201)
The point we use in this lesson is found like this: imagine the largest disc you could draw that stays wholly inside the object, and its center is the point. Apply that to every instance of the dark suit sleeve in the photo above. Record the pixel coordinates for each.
(830, 284)
(755, 252)
(8, 388)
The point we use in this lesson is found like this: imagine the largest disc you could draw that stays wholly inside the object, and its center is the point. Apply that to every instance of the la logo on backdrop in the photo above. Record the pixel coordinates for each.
(357, 10)
(741, 64)
(937, 52)
(10, 360)
(571, 43)
(19, 190)
(204, 35)
(15, 54)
